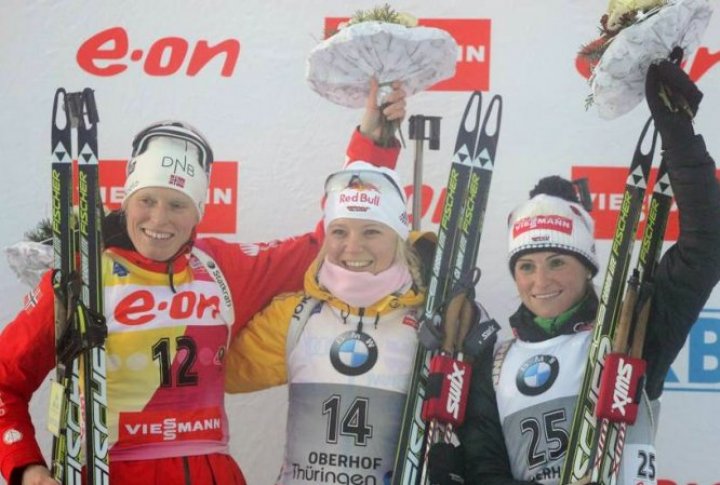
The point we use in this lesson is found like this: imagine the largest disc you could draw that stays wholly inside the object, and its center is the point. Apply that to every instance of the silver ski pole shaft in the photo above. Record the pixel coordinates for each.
(420, 134)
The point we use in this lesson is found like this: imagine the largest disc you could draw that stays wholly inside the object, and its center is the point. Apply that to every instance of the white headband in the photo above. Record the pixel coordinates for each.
(364, 191)
(170, 162)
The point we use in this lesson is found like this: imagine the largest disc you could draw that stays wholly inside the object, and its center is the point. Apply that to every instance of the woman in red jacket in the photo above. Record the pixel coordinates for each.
(169, 318)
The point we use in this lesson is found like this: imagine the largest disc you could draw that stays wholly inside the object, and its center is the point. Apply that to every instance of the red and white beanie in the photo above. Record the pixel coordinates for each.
(549, 223)
(363, 191)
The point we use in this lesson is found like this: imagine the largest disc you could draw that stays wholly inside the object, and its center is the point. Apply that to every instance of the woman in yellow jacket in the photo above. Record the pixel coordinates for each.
(346, 344)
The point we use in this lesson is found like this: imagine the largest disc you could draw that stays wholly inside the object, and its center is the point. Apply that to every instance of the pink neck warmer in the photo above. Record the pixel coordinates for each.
(362, 289)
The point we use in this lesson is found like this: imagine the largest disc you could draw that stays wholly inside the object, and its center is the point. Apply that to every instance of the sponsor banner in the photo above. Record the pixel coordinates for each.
(221, 205)
(697, 366)
(606, 189)
(157, 427)
(668, 481)
(430, 205)
(607, 185)
(696, 67)
(110, 52)
(472, 72)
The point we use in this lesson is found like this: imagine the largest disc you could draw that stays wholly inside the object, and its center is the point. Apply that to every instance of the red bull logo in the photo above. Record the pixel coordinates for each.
(358, 197)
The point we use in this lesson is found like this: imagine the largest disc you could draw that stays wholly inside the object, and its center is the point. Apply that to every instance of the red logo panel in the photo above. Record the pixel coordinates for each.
(550, 223)
(159, 426)
(472, 72)
(607, 185)
(221, 206)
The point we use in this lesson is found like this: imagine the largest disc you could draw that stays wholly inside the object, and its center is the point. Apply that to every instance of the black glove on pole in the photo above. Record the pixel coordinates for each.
(673, 100)
(445, 465)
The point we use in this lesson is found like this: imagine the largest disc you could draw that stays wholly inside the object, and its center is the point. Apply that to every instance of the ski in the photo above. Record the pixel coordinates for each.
(636, 309)
(80, 325)
(67, 442)
(458, 237)
(583, 443)
(92, 321)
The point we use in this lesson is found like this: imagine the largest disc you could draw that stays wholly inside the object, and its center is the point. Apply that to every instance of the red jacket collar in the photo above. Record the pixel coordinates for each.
(179, 261)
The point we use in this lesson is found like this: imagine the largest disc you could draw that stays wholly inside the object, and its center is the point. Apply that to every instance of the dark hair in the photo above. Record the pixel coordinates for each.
(556, 186)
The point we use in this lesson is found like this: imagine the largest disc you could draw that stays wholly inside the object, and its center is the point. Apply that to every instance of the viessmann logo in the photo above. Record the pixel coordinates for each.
(220, 205)
(472, 72)
(109, 53)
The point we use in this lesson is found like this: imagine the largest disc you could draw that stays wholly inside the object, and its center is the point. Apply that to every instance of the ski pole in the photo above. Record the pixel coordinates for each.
(418, 133)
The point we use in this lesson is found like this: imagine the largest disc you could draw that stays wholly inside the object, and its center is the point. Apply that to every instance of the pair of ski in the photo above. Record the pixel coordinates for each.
(80, 328)
(454, 262)
(595, 444)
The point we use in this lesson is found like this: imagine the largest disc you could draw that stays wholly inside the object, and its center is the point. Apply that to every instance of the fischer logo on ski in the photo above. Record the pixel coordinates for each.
(80, 424)
(590, 446)
(455, 256)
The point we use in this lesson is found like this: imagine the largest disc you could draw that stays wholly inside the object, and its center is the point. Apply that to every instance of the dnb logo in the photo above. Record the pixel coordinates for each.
(537, 374)
(472, 72)
(353, 353)
(697, 366)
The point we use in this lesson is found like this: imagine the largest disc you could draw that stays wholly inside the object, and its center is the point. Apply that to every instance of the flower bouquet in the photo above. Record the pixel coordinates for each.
(634, 34)
(384, 45)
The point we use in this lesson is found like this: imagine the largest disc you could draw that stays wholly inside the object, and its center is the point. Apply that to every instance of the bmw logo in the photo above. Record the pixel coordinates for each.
(537, 374)
(353, 353)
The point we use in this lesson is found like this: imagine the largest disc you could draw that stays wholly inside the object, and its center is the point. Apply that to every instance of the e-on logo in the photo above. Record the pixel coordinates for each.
(537, 374)
(353, 353)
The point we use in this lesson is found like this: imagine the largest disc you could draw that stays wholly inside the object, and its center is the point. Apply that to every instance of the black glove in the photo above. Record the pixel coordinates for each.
(673, 100)
(445, 465)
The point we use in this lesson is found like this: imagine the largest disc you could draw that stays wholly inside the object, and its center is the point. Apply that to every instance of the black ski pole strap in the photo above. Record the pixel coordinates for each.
(481, 334)
(73, 341)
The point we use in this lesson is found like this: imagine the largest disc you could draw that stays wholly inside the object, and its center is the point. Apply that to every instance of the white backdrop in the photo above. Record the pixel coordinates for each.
(283, 138)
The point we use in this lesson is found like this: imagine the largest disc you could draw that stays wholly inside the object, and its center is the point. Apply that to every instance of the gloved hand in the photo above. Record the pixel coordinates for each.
(445, 465)
(673, 100)
(480, 334)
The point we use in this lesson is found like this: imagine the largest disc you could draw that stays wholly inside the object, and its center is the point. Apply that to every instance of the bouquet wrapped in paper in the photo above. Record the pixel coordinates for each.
(31, 258)
(384, 45)
(636, 33)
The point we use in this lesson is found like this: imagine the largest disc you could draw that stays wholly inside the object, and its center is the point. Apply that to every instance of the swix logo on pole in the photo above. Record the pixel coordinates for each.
(109, 53)
(472, 72)
(455, 394)
(620, 388)
(621, 397)
(220, 205)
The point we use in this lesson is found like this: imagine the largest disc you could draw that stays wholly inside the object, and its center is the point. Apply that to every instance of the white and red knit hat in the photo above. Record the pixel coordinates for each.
(363, 191)
(171, 154)
(549, 223)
